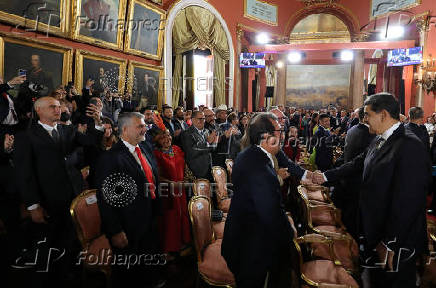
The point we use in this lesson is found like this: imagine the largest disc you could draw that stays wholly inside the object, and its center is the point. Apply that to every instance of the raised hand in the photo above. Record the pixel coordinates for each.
(17, 80)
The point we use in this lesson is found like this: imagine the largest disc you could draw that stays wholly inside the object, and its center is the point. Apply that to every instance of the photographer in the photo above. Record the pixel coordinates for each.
(112, 105)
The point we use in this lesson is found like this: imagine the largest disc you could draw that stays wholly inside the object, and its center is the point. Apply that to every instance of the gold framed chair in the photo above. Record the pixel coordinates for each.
(86, 218)
(202, 188)
(315, 193)
(322, 273)
(212, 267)
(229, 166)
(220, 177)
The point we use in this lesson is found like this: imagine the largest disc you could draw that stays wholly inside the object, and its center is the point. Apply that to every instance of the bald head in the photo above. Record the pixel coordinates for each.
(48, 110)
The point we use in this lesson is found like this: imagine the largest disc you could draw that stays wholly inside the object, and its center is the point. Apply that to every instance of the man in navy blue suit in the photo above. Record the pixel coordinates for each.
(128, 211)
(257, 234)
(395, 175)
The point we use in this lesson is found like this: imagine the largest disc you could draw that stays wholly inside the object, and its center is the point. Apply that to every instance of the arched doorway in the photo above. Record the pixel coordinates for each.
(168, 52)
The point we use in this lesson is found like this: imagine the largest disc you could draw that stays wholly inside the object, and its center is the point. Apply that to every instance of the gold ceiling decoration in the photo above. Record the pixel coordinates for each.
(315, 2)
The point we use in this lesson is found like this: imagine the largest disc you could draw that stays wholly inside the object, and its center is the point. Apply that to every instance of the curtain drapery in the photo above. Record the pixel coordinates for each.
(197, 28)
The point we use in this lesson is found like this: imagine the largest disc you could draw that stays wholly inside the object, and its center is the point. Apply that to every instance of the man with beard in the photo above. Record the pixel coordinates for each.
(36, 75)
(172, 125)
(180, 117)
(221, 114)
(210, 124)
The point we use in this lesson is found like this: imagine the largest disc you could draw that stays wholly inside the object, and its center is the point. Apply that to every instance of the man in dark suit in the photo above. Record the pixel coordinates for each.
(128, 222)
(257, 234)
(334, 118)
(44, 180)
(395, 180)
(172, 125)
(416, 125)
(346, 196)
(325, 142)
(354, 119)
(198, 145)
(343, 122)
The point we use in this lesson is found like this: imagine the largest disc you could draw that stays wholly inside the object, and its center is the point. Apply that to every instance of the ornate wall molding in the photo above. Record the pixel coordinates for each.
(168, 52)
(327, 7)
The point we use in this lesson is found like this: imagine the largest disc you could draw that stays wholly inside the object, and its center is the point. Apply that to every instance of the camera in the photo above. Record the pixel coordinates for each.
(36, 87)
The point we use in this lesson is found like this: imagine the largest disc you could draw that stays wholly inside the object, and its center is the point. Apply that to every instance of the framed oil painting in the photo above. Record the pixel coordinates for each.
(146, 24)
(317, 86)
(99, 22)
(145, 84)
(46, 66)
(108, 73)
(47, 16)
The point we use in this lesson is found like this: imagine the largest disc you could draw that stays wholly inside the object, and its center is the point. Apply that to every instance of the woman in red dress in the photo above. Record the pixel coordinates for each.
(174, 222)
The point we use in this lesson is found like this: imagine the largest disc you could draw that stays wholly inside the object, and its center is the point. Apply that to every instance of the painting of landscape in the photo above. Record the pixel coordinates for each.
(317, 86)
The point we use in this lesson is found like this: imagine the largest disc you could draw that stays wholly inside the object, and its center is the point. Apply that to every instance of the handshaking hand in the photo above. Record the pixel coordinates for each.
(318, 177)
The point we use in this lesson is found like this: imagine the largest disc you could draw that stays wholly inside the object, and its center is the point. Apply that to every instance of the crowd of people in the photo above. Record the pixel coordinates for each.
(55, 147)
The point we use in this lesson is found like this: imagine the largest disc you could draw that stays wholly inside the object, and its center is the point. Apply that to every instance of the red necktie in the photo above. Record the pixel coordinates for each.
(147, 171)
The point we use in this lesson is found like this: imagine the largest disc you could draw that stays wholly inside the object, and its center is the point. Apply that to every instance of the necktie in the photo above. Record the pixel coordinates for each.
(147, 171)
(380, 142)
(55, 135)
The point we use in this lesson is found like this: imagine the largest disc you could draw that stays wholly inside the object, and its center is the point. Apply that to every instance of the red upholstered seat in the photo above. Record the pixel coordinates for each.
(327, 273)
(214, 267)
(202, 187)
(211, 265)
(224, 205)
(218, 229)
(86, 217)
(99, 252)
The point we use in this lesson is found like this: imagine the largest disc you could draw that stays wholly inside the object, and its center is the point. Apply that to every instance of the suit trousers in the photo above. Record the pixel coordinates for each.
(403, 277)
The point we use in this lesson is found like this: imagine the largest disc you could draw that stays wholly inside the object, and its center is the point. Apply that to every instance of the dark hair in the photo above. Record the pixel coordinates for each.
(260, 125)
(165, 107)
(195, 113)
(106, 120)
(361, 113)
(232, 116)
(312, 119)
(416, 113)
(384, 101)
(177, 109)
(323, 116)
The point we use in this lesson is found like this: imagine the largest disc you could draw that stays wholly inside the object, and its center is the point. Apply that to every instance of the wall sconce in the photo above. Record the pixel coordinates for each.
(428, 82)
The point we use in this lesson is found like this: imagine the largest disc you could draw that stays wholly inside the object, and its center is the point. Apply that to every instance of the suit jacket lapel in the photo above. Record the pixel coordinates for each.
(41, 132)
(130, 158)
(376, 155)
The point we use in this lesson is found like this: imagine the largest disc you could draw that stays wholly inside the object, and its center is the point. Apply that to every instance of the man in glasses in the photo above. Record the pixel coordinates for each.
(198, 143)
(257, 233)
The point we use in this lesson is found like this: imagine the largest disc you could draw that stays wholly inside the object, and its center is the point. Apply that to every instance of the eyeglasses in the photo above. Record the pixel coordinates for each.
(200, 119)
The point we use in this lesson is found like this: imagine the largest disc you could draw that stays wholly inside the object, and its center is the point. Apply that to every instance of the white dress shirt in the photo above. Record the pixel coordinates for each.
(49, 128)
(10, 120)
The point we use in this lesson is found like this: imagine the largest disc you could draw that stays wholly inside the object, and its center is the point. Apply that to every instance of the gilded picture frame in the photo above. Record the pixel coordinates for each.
(136, 81)
(145, 31)
(90, 64)
(53, 62)
(385, 14)
(36, 15)
(102, 27)
(252, 17)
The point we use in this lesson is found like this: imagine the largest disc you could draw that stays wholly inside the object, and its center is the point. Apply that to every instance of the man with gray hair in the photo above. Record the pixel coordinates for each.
(416, 125)
(127, 221)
